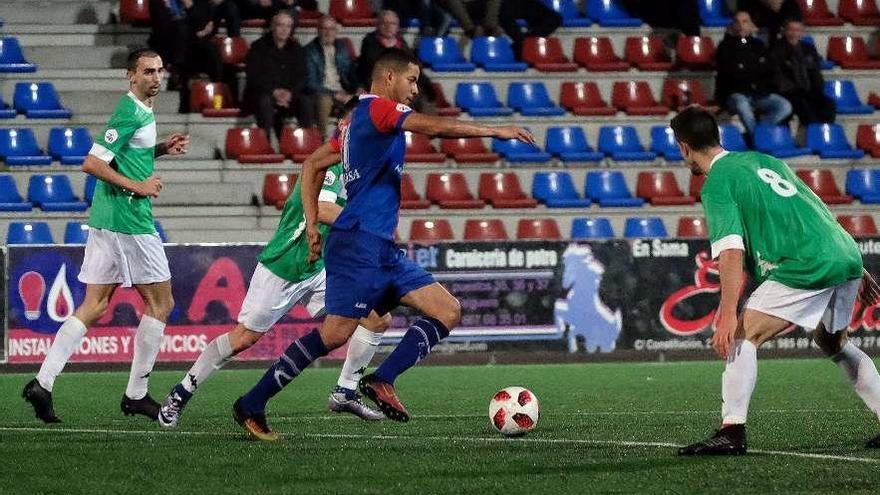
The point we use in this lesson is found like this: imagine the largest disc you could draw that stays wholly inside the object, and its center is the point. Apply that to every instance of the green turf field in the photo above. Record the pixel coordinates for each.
(605, 428)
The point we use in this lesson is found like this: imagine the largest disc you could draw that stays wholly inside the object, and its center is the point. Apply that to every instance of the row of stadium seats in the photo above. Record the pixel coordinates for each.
(858, 12)
(67, 145)
(35, 100)
(47, 192)
(39, 233)
(11, 57)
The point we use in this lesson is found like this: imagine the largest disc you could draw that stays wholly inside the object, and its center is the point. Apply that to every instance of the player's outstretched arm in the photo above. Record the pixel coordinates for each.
(102, 170)
(731, 272)
(449, 127)
(314, 169)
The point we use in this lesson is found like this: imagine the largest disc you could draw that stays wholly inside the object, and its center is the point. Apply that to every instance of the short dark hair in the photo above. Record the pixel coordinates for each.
(394, 59)
(696, 127)
(137, 54)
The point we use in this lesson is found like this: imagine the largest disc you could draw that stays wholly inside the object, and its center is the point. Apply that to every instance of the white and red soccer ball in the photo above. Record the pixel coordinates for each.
(513, 411)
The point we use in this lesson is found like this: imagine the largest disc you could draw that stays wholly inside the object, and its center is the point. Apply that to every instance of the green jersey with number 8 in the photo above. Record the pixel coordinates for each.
(755, 202)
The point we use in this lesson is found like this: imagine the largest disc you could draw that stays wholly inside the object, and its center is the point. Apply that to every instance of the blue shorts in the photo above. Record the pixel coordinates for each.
(366, 272)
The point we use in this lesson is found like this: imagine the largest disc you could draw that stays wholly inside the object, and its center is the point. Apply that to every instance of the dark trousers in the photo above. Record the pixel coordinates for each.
(270, 117)
(540, 20)
(812, 107)
(202, 57)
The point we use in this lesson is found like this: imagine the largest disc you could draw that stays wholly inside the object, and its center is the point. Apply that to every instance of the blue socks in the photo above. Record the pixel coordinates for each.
(415, 345)
(296, 358)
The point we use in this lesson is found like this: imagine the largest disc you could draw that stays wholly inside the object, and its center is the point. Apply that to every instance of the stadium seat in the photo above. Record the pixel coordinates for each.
(663, 143)
(651, 228)
(692, 228)
(695, 52)
(583, 98)
(443, 55)
(5, 111)
(39, 101)
(297, 144)
(10, 199)
(468, 150)
(233, 51)
(621, 143)
(161, 231)
(568, 10)
(851, 52)
(19, 147)
(76, 233)
(353, 13)
(277, 188)
(69, 145)
(868, 139)
(556, 190)
(596, 54)
(308, 18)
(858, 225)
(29, 233)
(531, 99)
(479, 100)
(696, 186)
(503, 190)
(777, 141)
(824, 63)
(420, 149)
(135, 12)
(484, 230)
(591, 228)
(430, 231)
(495, 54)
(845, 96)
(817, 13)
(410, 199)
(713, 13)
(822, 183)
(569, 144)
(859, 12)
(680, 93)
(546, 55)
(11, 57)
(543, 229)
(53, 193)
(661, 189)
(647, 53)
(731, 138)
(450, 190)
(609, 14)
(516, 151)
(829, 142)
(873, 100)
(609, 189)
(635, 98)
(212, 99)
(250, 145)
(864, 185)
(444, 108)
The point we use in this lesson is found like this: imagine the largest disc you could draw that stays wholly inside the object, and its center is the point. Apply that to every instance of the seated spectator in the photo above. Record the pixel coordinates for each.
(276, 73)
(433, 20)
(330, 72)
(266, 9)
(200, 55)
(771, 14)
(678, 15)
(476, 17)
(226, 11)
(745, 80)
(168, 33)
(799, 77)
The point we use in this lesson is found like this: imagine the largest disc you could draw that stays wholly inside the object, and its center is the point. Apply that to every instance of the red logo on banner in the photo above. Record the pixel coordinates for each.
(865, 317)
(31, 288)
(59, 304)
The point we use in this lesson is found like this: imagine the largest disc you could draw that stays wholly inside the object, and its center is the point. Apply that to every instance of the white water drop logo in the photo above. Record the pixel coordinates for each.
(59, 304)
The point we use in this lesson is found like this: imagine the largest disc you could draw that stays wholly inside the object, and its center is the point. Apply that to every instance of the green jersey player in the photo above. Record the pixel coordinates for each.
(123, 248)
(761, 217)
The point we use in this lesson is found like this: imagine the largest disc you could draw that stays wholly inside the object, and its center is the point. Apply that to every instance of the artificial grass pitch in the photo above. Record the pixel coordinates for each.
(604, 428)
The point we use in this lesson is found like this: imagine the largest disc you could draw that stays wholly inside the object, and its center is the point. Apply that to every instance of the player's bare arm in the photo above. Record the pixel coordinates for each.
(175, 144)
(731, 272)
(453, 128)
(314, 168)
(102, 170)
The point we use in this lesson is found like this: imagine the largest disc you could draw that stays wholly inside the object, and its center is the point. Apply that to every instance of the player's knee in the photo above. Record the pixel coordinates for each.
(451, 314)
(91, 310)
(378, 324)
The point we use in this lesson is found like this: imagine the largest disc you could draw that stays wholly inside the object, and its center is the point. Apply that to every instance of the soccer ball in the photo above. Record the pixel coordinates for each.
(513, 411)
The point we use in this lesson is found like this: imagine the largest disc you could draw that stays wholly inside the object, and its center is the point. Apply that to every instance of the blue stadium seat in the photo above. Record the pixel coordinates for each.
(829, 141)
(39, 101)
(53, 193)
(519, 152)
(532, 99)
(568, 10)
(569, 144)
(609, 188)
(731, 138)
(69, 145)
(11, 58)
(495, 54)
(160, 231)
(19, 147)
(714, 13)
(650, 227)
(864, 185)
(622, 143)
(89, 192)
(591, 228)
(10, 199)
(663, 143)
(845, 96)
(5, 111)
(824, 63)
(777, 141)
(443, 55)
(609, 14)
(29, 233)
(76, 233)
(479, 100)
(556, 190)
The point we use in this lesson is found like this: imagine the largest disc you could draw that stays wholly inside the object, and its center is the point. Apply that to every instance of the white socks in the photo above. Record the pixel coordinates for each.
(861, 372)
(146, 348)
(738, 382)
(361, 348)
(66, 341)
(215, 355)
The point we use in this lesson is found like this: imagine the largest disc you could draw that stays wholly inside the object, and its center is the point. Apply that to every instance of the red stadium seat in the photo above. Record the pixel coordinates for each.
(410, 199)
(822, 183)
(583, 98)
(874, 99)
(868, 139)
(212, 100)
(233, 51)
(485, 230)
(420, 149)
(451, 191)
(308, 18)
(851, 52)
(358, 13)
(692, 228)
(661, 188)
(430, 231)
(502, 190)
(696, 186)
(647, 53)
(635, 98)
(860, 12)
(135, 12)
(858, 225)
(253, 23)
(540, 229)
(250, 145)
(444, 108)
(298, 144)
(546, 55)
(277, 188)
(468, 150)
(817, 13)
(695, 52)
(679, 93)
(597, 54)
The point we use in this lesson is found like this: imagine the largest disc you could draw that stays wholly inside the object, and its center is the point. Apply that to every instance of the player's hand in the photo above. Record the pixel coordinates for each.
(869, 292)
(176, 144)
(513, 132)
(314, 236)
(725, 331)
(149, 188)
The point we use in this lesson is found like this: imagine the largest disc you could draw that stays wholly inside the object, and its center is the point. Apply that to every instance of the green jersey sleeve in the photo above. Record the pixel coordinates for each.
(120, 129)
(332, 186)
(723, 216)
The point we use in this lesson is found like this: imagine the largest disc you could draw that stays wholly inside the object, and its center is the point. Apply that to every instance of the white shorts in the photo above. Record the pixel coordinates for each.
(270, 297)
(807, 308)
(126, 259)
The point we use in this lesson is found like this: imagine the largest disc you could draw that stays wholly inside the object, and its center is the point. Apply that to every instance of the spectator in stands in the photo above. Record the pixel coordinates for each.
(433, 19)
(276, 73)
(330, 72)
(540, 20)
(476, 17)
(201, 54)
(799, 76)
(169, 34)
(266, 9)
(771, 14)
(679, 15)
(745, 80)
